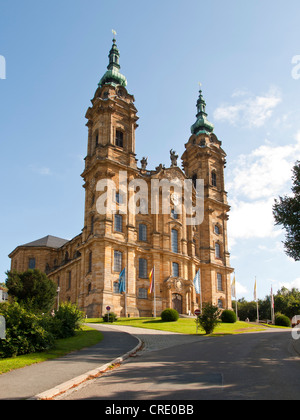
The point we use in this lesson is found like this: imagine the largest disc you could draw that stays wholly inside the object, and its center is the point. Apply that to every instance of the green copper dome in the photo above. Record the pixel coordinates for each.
(202, 125)
(113, 75)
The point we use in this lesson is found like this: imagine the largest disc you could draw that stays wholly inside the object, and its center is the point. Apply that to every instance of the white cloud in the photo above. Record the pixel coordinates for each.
(290, 285)
(252, 220)
(265, 171)
(254, 182)
(251, 112)
(241, 290)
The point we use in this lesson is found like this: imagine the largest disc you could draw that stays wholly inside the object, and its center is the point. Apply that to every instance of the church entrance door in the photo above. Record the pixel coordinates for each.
(177, 302)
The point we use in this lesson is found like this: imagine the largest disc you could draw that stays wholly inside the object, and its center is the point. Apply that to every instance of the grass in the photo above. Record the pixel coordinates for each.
(85, 338)
(183, 325)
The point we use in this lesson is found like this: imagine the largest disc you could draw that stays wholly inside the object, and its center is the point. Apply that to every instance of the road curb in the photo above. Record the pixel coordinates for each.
(92, 374)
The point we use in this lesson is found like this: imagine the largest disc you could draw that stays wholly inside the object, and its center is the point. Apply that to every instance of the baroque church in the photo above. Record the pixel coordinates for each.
(86, 269)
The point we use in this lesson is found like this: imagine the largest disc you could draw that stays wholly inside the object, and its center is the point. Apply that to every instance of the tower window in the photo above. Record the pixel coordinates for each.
(116, 287)
(97, 139)
(142, 232)
(217, 230)
(118, 261)
(218, 251)
(174, 240)
(219, 282)
(213, 179)
(119, 139)
(118, 223)
(175, 269)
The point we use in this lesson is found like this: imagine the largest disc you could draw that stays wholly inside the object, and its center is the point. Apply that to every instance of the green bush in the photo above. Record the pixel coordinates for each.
(109, 317)
(228, 317)
(66, 320)
(282, 320)
(169, 315)
(25, 332)
(209, 318)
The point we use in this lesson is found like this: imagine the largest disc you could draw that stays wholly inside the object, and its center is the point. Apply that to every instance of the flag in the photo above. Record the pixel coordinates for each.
(197, 283)
(255, 290)
(233, 287)
(151, 278)
(122, 281)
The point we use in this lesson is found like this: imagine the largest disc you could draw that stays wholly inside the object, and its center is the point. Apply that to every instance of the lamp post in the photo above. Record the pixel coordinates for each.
(58, 290)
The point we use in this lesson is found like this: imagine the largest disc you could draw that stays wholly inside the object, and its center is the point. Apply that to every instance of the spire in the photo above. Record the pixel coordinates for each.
(113, 75)
(202, 125)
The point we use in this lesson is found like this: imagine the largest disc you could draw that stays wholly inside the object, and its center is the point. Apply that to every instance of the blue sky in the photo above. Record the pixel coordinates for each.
(56, 52)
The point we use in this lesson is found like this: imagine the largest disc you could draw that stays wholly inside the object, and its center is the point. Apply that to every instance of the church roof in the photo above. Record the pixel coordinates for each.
(113, 76)
(202, 125)
(48, 241)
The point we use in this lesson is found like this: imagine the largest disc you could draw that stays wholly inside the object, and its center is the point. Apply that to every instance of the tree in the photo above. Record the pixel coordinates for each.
(209, 318)
(286, 211)
(32, 289)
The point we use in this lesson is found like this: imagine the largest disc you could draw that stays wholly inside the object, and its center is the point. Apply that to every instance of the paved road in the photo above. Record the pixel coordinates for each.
(31, 380)
(173, 367)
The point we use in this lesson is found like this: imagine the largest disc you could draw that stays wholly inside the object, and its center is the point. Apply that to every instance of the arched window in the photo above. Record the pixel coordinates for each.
(214, 178)
(220, 304)
(217, 230)
(174, 240)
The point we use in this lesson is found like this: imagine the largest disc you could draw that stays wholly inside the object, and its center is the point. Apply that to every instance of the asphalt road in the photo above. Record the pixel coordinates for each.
(257, 366)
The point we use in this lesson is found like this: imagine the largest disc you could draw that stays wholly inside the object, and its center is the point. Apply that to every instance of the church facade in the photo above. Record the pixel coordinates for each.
(87, 268)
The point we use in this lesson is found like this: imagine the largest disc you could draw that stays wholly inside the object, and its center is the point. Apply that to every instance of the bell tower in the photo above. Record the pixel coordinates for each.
(205, 159)
(112, 121)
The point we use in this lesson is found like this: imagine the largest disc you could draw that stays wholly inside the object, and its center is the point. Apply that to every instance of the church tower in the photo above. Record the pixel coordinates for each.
(205, 159)
(112, 121)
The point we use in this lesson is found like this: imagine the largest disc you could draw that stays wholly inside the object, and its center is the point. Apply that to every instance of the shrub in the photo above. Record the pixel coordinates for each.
(25, 332)
(209, 318)
(109, 317)
(228, 317)
(169, 315)
(66, 320)
(32, 289)
(282, 320)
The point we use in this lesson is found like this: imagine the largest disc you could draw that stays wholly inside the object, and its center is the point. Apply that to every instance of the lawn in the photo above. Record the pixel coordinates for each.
(85, 338)
(183, 325)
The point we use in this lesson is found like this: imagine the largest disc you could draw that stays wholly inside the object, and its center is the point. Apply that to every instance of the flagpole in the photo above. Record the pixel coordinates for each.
(125, 294)
(154, 292)
(256, 301)
(272, 306)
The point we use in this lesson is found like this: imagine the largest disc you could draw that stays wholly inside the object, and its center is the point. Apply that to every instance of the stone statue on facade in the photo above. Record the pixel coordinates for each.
(173, 157)
(144, 163)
